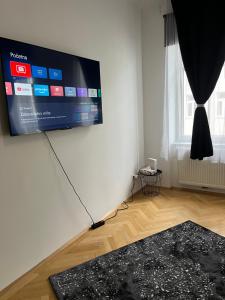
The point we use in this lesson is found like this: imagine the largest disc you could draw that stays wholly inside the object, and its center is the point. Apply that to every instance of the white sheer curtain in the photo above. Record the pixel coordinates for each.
(179, 107)
(172, 92)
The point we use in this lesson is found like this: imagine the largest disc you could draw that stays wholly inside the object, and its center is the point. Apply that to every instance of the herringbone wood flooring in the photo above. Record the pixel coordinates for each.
(145, 217)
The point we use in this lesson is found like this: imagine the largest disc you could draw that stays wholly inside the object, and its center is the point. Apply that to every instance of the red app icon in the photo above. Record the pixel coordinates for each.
(8, 88)
(56, 90)
(19, 69)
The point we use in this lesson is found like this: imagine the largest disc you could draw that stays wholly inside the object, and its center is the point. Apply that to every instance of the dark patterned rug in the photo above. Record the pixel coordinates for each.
(184, 262)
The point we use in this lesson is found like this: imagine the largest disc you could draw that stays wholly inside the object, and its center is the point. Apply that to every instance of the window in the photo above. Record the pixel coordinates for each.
(179, 105)
(179, 109)
(215, 108)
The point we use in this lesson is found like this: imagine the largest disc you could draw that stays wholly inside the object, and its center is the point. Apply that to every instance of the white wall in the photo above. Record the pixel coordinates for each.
(38, 210)
(153, 82)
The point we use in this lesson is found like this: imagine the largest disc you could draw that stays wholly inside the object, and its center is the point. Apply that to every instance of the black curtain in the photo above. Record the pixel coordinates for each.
(201, 34)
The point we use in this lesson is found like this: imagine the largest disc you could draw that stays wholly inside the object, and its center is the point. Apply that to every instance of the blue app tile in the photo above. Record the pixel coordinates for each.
(70, 91)
(41, 90)
(77, 117)
(39, 72)
(55, 74)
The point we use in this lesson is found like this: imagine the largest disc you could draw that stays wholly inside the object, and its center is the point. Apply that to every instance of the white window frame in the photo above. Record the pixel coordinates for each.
(186, 138)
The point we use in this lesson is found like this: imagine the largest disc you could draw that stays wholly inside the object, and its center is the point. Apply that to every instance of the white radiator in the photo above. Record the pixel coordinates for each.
(201, 173)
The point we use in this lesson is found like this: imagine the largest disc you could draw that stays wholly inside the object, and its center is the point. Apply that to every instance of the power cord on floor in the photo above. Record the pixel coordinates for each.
(68, 179)
(126, 206)
(124, 203)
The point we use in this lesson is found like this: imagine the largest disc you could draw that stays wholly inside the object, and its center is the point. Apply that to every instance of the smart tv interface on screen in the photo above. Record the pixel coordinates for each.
(47, 89)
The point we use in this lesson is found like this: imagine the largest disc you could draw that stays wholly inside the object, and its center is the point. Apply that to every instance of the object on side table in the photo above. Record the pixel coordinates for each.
(150, 182)
(153, 164)
(151, 169)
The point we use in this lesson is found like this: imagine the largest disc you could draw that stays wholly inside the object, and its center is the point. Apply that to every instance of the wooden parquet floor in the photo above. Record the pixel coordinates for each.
(144, 217)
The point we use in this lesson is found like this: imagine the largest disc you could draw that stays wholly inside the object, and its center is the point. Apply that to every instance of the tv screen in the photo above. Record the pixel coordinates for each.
(47, 89)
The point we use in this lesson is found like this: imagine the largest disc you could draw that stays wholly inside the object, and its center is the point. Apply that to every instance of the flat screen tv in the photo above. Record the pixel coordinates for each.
(47, 89)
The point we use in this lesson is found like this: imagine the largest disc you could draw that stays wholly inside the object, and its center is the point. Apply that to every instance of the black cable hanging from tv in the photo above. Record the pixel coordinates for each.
(94, 225)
